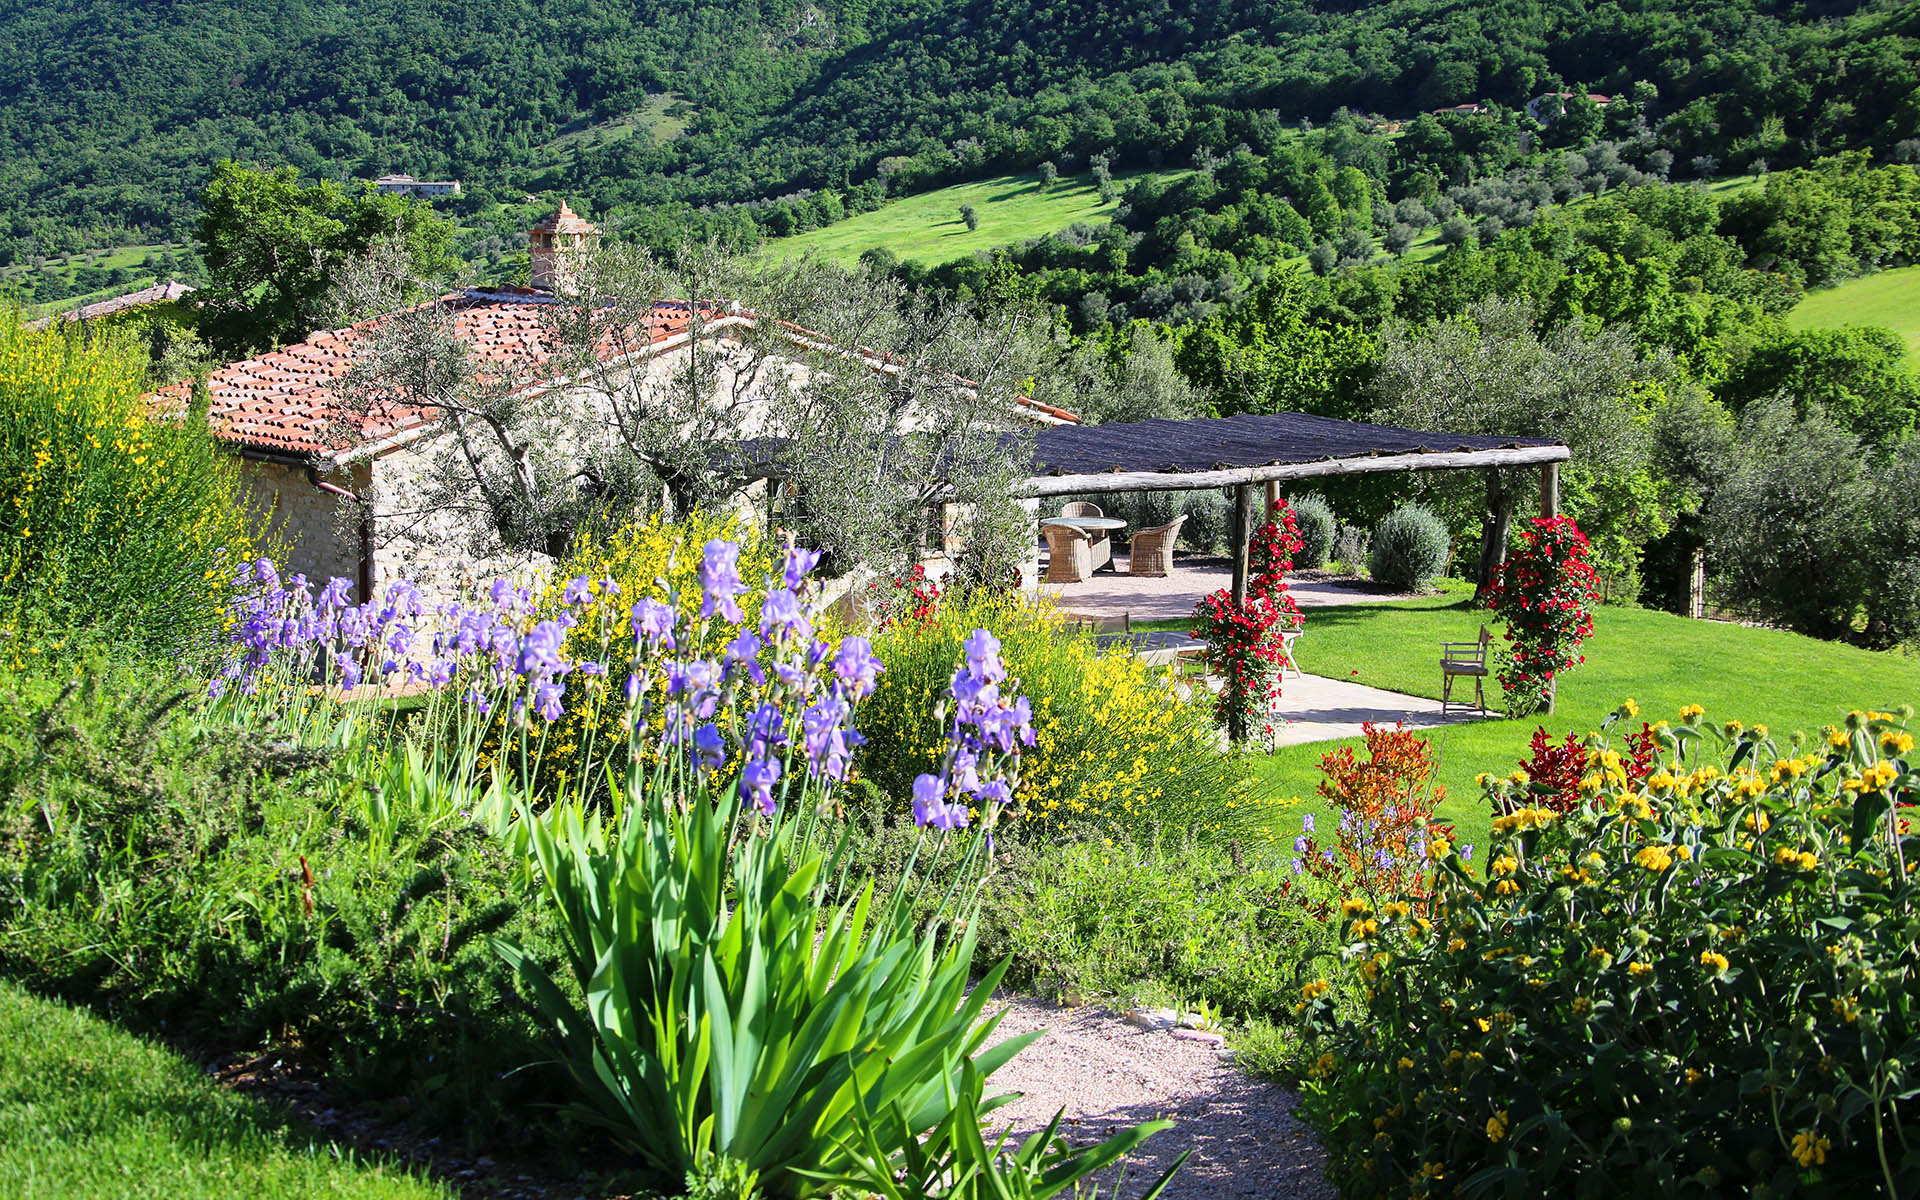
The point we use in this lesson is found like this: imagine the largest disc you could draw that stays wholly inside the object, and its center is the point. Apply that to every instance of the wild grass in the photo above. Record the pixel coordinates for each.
(1759, 676)
(88, 1110)
(1890, 299)
(928, 228)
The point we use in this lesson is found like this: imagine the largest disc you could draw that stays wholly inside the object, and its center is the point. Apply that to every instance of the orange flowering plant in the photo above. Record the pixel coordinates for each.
(1697, 981)
(1379, 848)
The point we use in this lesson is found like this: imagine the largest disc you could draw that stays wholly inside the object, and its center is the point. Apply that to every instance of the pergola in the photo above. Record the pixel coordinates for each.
(1245, 452)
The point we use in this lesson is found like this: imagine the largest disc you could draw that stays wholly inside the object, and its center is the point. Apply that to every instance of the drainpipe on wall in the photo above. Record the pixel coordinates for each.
(366, 528)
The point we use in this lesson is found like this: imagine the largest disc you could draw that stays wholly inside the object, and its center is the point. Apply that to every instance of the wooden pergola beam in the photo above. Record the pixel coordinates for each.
(1159, 481)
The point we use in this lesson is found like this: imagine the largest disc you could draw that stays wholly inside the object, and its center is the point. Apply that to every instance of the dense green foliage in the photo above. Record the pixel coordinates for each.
(86, 1107)
(243, 892)
(275, 250)
(114, 110)
(1697, 980)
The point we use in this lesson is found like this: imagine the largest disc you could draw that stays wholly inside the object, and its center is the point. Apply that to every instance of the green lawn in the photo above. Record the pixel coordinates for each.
(928, 228)
(1759, 676)
(1890, 299)
(88, 1110)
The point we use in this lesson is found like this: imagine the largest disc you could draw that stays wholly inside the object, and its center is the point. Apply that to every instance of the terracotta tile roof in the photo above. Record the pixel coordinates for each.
(286, 401)
(159, 293)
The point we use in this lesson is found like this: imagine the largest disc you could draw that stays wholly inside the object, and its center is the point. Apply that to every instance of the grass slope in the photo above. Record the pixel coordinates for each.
(88, 1110)
(1890, 299)
(927, 227)
(1759, 676)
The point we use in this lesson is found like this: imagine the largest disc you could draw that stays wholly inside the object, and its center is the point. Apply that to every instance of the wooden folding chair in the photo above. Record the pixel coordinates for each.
(1465, 659)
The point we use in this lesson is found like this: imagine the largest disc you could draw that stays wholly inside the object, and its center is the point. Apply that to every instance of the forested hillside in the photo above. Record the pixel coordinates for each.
(112, 111)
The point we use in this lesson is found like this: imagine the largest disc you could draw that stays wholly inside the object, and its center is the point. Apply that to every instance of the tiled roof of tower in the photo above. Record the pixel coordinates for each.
(285, 401)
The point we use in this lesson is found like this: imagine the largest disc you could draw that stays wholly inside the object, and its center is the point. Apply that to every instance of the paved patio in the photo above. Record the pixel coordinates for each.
(1146, 598)
(1314, 708)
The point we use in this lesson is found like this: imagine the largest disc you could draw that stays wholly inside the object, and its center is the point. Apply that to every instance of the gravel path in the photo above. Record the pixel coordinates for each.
(1106, 1073)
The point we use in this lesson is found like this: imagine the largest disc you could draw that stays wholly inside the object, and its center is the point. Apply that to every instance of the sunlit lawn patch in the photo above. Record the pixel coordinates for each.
(87, 1110)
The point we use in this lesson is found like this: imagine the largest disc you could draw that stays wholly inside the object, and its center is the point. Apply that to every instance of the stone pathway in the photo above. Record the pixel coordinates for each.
(1317, 709)
(1108, 1074)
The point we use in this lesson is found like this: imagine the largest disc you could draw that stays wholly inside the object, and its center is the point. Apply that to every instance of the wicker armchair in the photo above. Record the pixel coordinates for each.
(1081, 508)
(1073, 554)
(1151, 551)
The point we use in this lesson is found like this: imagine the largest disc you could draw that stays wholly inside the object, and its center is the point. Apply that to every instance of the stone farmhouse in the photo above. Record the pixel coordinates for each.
(407, 185)
(338, 483)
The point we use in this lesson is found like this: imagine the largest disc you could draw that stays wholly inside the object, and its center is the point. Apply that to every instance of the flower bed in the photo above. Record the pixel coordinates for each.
(1702, 982)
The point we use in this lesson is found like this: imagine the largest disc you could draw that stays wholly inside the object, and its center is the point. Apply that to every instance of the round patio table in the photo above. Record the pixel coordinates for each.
(1090, 524)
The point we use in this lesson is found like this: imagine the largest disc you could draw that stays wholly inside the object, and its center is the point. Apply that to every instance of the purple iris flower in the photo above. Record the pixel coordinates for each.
(710, 746)
(856, 668)
(766, 728)
(578, 591)
(996, 791)
(782, 617)
(1466, 852)
(983, 656)
(546, 700)
(800, 563)
(930, 808)
(744, 651)
(336, 595)
(699, 682)
(1300, 844)
(264, 572)
(1298, 866)
(1306, 822)
(758, 778)
(633, 687)
(499, 592)
(540, 651)
(589, 667)
(653, 622)
(720, 580)
(825, 738)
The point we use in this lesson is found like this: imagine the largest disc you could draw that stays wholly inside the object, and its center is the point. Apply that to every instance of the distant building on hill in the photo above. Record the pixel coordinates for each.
(1545, 108)
(407, 185)
(159, 293)
(1458, 110)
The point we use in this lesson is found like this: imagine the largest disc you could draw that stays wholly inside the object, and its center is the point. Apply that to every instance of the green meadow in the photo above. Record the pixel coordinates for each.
(928, 228)
(1890, 299)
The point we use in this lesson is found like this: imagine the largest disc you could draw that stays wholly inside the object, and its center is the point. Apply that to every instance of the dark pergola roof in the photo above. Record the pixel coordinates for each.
(1162, 455)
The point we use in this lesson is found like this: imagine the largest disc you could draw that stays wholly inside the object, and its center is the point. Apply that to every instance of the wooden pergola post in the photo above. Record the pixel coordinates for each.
(1549, 490)
(1243, 523)
(1242, 531)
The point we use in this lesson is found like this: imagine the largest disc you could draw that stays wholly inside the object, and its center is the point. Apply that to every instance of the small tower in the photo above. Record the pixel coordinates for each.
(554, 245)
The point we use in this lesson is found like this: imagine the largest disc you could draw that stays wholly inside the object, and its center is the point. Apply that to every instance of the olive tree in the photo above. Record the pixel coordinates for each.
(1492, 370)
(863, 404)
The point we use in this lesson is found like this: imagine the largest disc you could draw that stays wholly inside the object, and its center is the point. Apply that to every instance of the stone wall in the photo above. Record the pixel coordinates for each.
(319, 535)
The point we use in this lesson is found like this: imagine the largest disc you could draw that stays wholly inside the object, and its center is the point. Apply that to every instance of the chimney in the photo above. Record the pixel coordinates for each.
(554, 245)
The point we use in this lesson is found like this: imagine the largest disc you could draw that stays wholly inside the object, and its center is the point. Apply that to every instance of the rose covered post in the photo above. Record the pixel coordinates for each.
(1544, 598)
(1243, 626)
